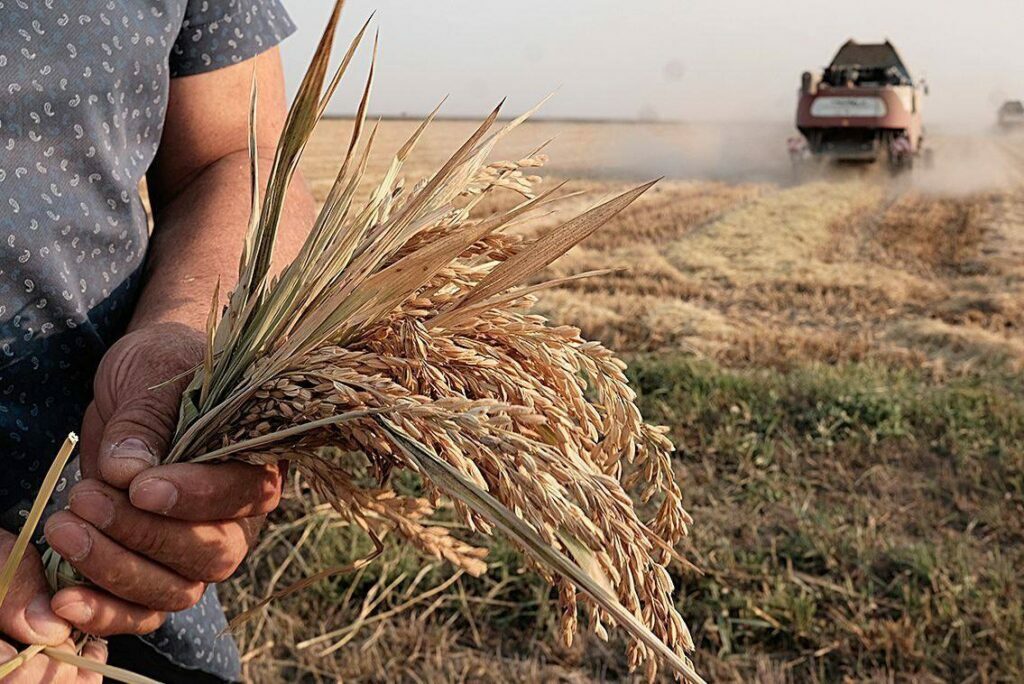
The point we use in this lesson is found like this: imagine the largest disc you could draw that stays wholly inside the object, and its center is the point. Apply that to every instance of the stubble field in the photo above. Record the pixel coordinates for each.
(837, 353)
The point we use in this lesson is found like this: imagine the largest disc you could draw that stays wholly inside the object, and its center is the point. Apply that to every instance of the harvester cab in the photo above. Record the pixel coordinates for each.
(1011, 115)
(863, 106)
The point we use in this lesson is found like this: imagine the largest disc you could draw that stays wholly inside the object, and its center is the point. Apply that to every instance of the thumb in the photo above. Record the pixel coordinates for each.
(25, 614)
(135, 438)
(137, 400)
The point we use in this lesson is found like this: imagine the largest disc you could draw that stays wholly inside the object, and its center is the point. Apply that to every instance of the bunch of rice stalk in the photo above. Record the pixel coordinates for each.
(402, 331)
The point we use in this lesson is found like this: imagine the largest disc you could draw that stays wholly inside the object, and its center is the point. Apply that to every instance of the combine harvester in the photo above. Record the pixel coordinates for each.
(1011, 115)
(863, 106)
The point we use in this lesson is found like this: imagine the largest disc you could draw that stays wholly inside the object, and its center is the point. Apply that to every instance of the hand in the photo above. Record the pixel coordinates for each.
(26, 617)
(150, 536)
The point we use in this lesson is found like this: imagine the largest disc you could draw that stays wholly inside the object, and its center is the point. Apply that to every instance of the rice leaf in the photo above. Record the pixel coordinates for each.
(109, 672)
(343, 67)
(211, 342)
(464, 312)
(25, 655)
(550, 246)
(456, 486)
(35, 514)
(302, 118)
(381, 292)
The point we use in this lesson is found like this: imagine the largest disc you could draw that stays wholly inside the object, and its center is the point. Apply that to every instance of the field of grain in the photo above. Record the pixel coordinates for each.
(838, 356)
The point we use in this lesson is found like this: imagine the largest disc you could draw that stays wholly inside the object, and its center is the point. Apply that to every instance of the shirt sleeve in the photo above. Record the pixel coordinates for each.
(218, 33)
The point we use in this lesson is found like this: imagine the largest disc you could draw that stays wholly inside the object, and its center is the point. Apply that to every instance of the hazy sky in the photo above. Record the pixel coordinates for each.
(676, 59)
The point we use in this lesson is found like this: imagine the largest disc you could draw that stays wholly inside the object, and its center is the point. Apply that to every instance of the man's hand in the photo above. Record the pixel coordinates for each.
(27, 618)
(150, 536)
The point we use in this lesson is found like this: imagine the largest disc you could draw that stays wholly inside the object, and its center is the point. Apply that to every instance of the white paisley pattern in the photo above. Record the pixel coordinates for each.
(83, 92)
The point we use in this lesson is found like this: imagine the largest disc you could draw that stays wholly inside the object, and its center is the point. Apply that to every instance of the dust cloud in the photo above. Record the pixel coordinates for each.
(957, 163)
(734, 153)
(971, 163)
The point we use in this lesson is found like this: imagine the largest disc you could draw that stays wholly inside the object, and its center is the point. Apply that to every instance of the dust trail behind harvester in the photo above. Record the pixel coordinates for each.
(962, 163)
(972, 163)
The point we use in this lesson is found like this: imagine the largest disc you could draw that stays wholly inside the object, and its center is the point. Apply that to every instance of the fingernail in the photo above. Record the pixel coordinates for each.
(70, 539)
(134, 448)
(7, 652)
(76, 612)
(154, 494)
(96, 507)
(47, 626)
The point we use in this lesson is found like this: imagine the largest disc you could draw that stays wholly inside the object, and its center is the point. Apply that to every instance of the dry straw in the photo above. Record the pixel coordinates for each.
(402, 331)
(10, 567)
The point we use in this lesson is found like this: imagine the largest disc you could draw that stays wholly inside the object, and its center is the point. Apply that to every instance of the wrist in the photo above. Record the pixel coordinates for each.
(182, 312)
(167, 326)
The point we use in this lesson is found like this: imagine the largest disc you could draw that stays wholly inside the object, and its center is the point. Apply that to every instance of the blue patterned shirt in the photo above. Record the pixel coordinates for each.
(83, 93)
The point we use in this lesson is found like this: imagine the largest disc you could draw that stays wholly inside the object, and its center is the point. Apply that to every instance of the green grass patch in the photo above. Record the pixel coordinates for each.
(851, 521)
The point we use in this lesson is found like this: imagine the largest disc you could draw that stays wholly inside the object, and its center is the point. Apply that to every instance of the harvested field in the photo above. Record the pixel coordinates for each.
(838, 359)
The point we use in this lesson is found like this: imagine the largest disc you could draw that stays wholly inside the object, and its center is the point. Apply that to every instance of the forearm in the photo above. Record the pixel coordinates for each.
(197, 239)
